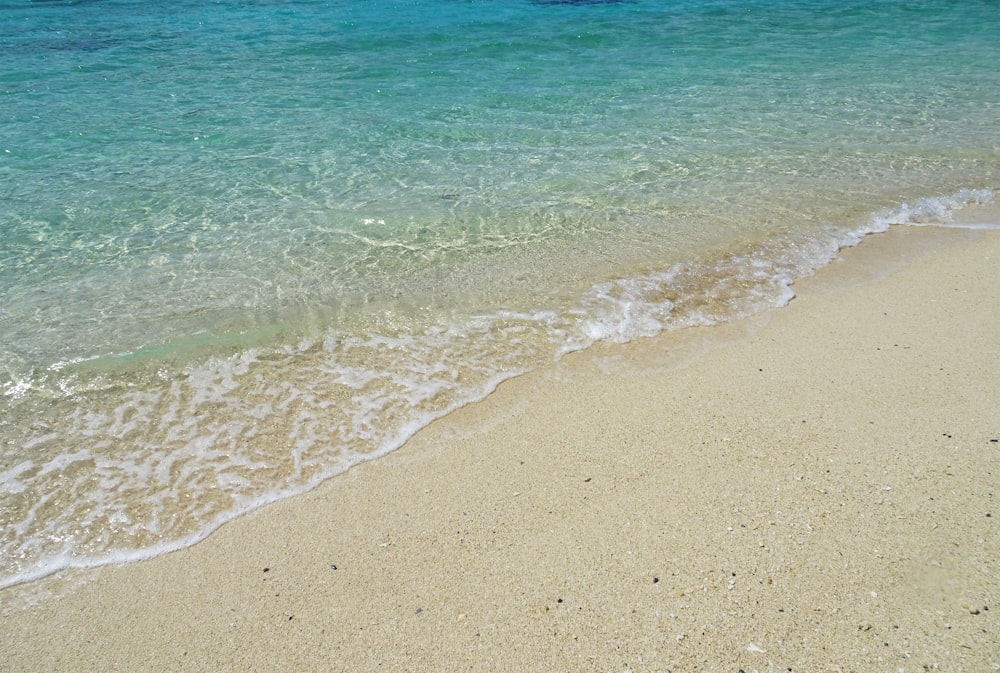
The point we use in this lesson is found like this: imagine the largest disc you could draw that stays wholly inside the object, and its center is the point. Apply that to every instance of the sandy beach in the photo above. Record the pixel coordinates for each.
(811, 489)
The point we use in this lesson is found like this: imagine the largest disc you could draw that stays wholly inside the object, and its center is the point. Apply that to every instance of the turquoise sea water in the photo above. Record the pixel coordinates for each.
(244, 245)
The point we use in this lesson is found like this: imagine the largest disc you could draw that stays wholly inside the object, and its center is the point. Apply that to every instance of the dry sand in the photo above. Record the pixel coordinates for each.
(813, 489)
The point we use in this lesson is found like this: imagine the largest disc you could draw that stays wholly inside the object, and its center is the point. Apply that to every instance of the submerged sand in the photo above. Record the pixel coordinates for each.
(811, 489)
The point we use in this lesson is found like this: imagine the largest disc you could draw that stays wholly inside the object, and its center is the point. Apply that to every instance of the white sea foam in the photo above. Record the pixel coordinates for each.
(172, 459)
(934, 211)
(975, 225)
(9, 482)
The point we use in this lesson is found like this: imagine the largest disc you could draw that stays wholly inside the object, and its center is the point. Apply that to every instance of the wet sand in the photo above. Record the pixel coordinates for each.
(815, 489)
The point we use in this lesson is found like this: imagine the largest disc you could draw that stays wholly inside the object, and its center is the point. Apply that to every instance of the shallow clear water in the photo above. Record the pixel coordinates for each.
(246, 245)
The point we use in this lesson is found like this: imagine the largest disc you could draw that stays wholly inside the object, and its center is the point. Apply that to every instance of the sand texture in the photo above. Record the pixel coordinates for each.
(812, 489)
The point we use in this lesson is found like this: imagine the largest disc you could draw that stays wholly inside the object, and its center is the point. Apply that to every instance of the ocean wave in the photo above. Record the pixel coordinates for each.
(139, 466)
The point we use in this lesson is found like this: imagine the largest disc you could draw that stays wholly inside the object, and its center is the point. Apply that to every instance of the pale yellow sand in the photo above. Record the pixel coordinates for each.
(814, 489)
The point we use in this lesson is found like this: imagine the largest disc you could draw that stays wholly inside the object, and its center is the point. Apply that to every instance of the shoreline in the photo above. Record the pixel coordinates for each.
(807, 488)
(132, 477)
